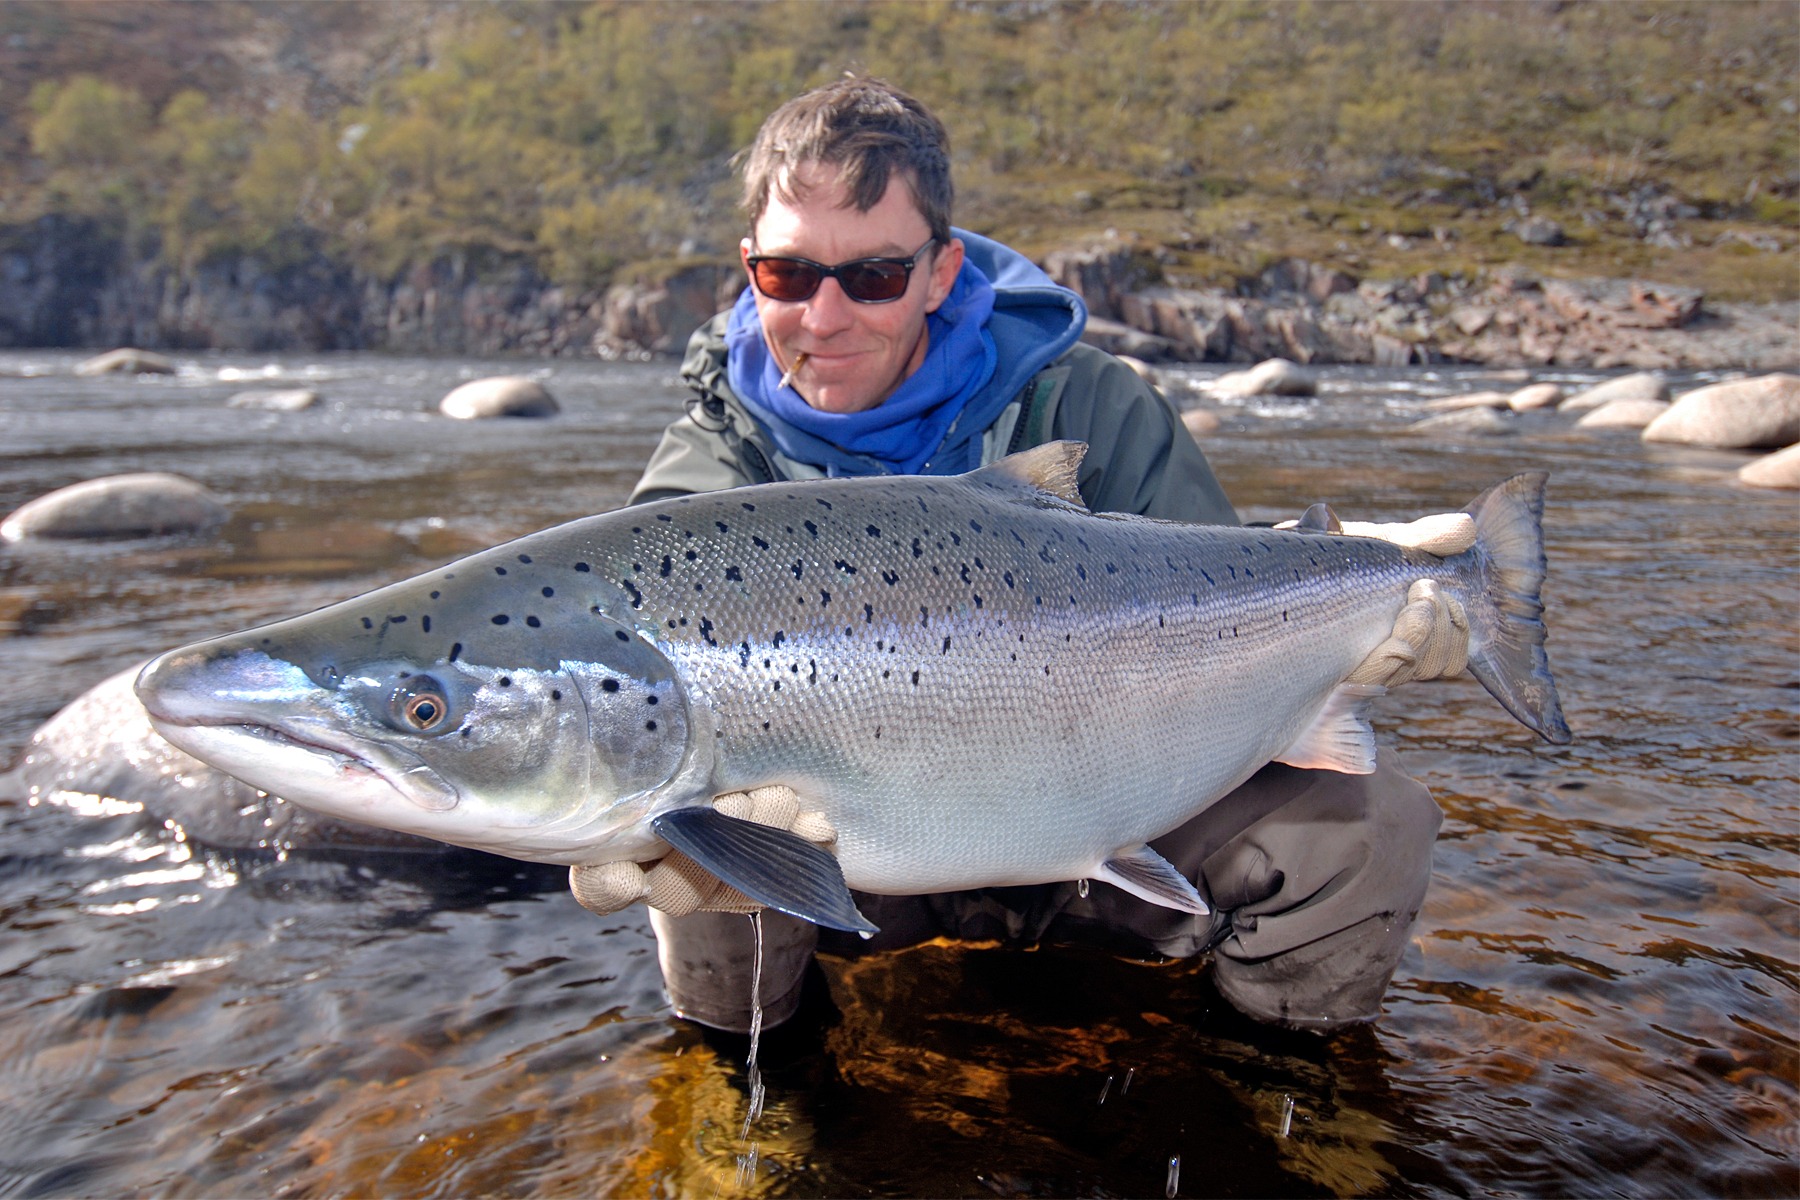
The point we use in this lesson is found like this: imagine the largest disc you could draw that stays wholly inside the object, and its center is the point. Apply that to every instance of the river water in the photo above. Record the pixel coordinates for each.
(1600, 997)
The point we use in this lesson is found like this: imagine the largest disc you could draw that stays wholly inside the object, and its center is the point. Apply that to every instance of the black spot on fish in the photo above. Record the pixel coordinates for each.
(1208, 578)
(868, 614)
(891, 577)
(506, 681)
(1008, 577)
(744, 654)
(977, 596)
(691, 556)
(368, 624)
(748, 507)
(760, 544)
(499, 570)
(823, 501)
(798, 568)
(1111, 570)
(436, 595)
(621, 635)
(637, 597)
(873, 531)
(556, 693)
(501, 619)
(780, 637)
(665, 517)
(651, 699)
(733, 574)
(699, 587)
(915, 679)
(924, 617)
(824, 599)
(1081, 571)
(583, 568)
(946, 647)
(917, 549)
(845, 567)
(721, 526)
(425, 623)
(533, 622)
(778, 685)
(965, 572)
(524, 558)
(975, 525)
(548, 592)
(650, 725)
(955, 538)
(706, 631)
(668, 565)
(609, 685)
(765, 726)
(810, 527)
(455, 652)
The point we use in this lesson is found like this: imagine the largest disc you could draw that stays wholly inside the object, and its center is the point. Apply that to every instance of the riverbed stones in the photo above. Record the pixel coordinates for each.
(1639, 385)
(1535, 396)
(283, 400)
(144, 504)
(1736, 414)
(1271, 377)
(126, 361)
(499, 396)
(1778, 470)
(1467, 400)
(1626, 412)
(1480, 421)
(1201, 422)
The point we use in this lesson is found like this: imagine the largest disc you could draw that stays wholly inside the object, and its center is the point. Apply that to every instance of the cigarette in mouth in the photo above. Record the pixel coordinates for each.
(787, 377)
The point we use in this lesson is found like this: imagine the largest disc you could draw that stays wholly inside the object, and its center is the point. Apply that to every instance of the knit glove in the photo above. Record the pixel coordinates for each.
(678, 885)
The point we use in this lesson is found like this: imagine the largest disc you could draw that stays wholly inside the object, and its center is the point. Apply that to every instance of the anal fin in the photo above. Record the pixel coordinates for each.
(771, 866)
(1149, 876)
(1340, 737)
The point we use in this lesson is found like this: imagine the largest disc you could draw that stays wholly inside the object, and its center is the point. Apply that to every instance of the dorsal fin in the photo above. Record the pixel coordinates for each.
(1050, 468)
(1320, 519)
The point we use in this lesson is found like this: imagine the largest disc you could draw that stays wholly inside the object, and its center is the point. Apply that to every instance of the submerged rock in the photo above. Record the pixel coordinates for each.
(1778, 470)
(1736, 414)
(1535, 396)
(1639, 385)
(1482, 421)
(101, 746)
(126, 361)
(500, 396)
(1272, 377)
(1627, 412)
(1467, 400)
(285, 400)
(145, 504)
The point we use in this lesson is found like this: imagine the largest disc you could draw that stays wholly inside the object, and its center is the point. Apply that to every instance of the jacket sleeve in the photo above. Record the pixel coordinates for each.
(1141, 458)
(688, 459)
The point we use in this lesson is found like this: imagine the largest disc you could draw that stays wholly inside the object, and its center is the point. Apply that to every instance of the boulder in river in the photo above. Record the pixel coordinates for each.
(1271, 377)
(500, 396)
(1778, 470)
(1535, 396)
(1626, 412)
(102, 745)
(1639, 385)
(1201, 422)
(1481, 421)
(145, 504)
(1736, 414)
(1467, 400)
(126, 361)
(284, 400)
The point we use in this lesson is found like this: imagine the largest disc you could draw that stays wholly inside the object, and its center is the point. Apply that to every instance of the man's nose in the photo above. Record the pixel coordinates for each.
(829, 311)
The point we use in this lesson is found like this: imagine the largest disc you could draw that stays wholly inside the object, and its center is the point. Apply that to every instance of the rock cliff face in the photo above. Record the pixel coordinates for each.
(65, 283)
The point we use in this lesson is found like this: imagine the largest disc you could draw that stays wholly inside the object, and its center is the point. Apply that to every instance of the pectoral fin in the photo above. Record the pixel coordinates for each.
(1149, 876)
(771, 866)
(1340, 737)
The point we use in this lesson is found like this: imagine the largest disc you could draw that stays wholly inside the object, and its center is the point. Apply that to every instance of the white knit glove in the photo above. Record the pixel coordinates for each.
(677, 884)
(1431, 635)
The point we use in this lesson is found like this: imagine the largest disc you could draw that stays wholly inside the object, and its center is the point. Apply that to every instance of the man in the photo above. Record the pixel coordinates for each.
(874, 338)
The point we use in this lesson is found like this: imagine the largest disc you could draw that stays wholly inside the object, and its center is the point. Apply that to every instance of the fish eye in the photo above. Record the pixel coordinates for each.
(421, 704)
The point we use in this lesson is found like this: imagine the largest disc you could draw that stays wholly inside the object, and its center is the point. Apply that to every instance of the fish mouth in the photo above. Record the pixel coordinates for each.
(285, 763)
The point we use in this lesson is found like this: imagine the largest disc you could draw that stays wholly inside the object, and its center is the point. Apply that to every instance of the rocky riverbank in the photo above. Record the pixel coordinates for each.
(60, 285)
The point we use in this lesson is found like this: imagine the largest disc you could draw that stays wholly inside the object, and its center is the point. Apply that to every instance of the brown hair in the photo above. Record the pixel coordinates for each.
(870, 131)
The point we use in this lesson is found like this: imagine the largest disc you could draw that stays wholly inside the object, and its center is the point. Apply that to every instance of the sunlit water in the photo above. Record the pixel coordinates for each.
(1600, 997)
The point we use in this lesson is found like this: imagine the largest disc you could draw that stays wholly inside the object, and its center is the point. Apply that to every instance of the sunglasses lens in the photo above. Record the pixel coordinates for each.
(785, 279)
(873, 282)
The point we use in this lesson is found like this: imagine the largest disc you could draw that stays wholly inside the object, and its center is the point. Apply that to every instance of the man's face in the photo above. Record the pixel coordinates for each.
(856, 354)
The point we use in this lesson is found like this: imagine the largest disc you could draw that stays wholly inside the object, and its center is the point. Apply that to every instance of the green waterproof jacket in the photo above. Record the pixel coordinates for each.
(1140, 458)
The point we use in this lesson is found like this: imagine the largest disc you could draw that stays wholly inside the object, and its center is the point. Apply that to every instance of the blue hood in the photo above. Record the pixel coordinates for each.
(1033, 322)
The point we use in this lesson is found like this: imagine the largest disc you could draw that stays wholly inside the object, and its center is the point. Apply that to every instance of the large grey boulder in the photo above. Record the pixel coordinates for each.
(102, 745)
(500, 396)
(1627, 412)
(1778, 470)
(126, 361)
(1639, 385)
(146, 504)
(1271, 377)
(1736, 414)
(282, 400)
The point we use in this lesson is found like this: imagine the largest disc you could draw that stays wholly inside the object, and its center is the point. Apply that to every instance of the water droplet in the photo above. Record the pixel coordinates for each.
(1126, 1086)
(1105, 1088)
(1081, 888)
(1287, 1114)
(1174, 1183)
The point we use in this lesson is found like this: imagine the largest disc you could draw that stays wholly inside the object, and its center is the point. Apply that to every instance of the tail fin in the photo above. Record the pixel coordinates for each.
(1506, 652)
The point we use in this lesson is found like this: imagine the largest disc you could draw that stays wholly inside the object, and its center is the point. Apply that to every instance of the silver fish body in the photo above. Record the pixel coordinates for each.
(977, 681)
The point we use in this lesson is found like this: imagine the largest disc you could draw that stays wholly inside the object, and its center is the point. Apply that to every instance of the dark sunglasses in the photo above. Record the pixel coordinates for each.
(864, 280)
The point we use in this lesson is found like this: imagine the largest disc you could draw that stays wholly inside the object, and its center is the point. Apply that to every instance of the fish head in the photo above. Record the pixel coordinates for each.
(460, 706)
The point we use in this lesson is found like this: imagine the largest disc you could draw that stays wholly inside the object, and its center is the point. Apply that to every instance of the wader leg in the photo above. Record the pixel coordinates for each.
(1319, 890)
(708, 962)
